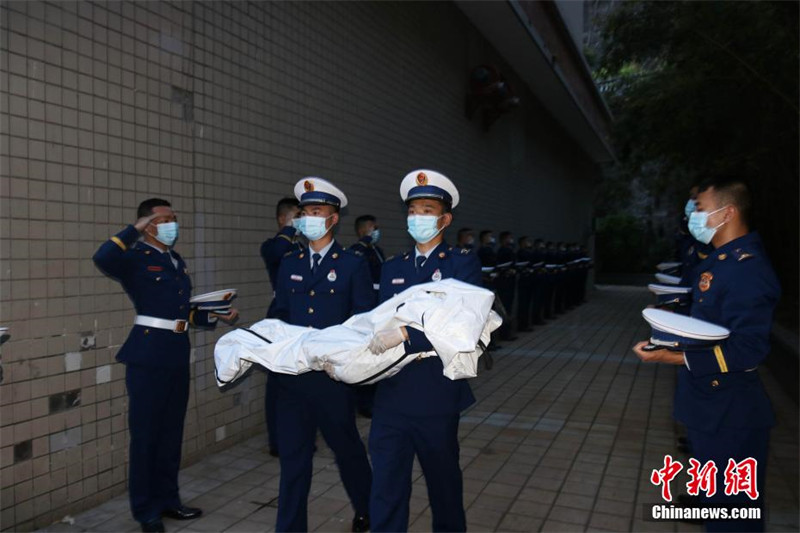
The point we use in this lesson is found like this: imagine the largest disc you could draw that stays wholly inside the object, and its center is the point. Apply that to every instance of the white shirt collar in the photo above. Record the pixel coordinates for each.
(321, 253)
(427, 254)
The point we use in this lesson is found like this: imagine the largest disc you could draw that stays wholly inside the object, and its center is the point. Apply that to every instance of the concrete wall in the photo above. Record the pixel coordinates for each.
(220, 108)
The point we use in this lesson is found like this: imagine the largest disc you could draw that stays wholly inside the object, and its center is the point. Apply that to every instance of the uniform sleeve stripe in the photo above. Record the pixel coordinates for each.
(119, 242)
(285, 237)
(723, 366)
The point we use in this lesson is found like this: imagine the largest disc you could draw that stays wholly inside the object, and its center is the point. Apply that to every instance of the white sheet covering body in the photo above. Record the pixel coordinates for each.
(454, 315)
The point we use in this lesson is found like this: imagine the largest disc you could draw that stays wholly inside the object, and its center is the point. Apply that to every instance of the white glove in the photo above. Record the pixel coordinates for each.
(385, 339)
(327, 366)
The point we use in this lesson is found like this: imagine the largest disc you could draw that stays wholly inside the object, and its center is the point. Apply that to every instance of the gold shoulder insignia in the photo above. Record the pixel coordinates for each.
(722, 257)
(287, 254)
(701, 255)
(464, 251)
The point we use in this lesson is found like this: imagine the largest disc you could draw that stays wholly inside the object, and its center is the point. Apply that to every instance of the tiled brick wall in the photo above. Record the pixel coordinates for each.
(219, 107)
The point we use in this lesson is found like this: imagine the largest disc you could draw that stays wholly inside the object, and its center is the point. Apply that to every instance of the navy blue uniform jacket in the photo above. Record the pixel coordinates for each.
(736, 288)
(421, 388)
(157, 289)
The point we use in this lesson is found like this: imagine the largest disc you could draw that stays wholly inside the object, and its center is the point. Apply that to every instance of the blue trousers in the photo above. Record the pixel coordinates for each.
(157, 399)
(393, 441)
(271, 411)
(737, 444)
(305, 403)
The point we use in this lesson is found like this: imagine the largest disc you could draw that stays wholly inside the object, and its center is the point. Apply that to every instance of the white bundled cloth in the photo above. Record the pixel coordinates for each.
(456, 317)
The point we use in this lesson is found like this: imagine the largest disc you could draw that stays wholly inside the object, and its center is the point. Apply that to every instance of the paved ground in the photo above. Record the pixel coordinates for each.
(567, 428)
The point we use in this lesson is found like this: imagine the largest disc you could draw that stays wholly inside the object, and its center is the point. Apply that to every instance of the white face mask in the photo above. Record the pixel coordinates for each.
(698, 225)
(166, 233)
(423, 228)
(314, 228)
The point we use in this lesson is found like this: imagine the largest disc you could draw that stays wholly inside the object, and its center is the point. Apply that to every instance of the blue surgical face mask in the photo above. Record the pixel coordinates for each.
(167, 233)
(690, 207)
(698, 221)
(423, 228)
(314, 228)
(375, 235)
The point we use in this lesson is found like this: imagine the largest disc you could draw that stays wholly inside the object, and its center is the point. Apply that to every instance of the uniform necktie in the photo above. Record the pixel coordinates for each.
(316, 258)
(420, 261)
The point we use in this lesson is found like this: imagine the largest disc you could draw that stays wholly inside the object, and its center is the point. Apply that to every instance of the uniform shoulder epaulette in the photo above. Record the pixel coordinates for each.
(292, 252)
(465, 251)
(742, 255)
(354, 253)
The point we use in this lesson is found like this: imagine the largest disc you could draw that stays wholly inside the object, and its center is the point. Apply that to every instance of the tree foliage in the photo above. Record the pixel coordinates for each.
(699, 88)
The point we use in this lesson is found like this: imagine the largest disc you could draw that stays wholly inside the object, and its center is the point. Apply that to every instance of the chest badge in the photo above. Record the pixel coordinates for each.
(705, 281)
(155, 268)
(296, 277)
(437, 275)
(332, 276)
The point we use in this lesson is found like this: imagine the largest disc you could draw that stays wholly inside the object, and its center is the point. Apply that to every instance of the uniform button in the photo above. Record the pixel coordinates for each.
(146, 331)
(331, 291)
(312, 293)
(715, 383)
(180, 291)
(182, 307)
(700, 300)
(310, 310)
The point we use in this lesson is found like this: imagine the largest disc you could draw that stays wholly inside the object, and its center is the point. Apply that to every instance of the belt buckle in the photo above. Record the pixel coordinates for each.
(180, 326)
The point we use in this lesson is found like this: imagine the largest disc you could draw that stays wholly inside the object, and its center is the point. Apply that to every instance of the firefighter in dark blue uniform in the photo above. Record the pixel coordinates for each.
(506, 281)
(524, 258)
(320, 286)
(539, 254)
(720, 397)
(417, 411)
(691, 252)
(156, 357)
(272, 252)
(369, 234)
(486, 253)
(465, 239)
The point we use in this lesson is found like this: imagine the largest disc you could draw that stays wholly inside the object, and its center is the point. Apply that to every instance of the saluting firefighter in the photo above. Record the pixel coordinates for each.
(720, 397)
(417, 411)
(320, 286)
(156, 357)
